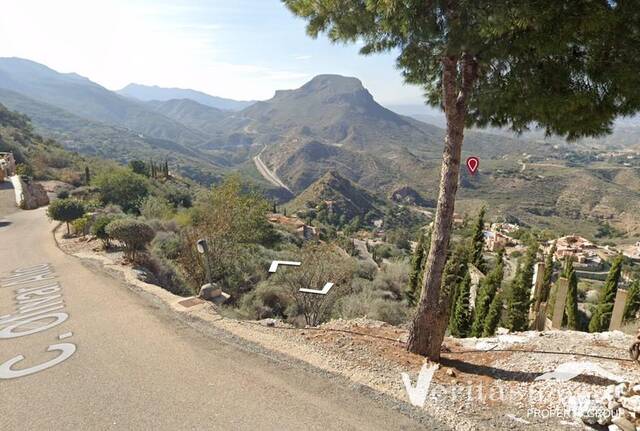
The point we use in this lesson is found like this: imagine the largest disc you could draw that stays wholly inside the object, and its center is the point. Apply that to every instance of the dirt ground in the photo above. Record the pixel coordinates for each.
(486, 383)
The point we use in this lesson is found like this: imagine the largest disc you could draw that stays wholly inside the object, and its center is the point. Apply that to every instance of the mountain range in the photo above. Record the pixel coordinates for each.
(148, 93)
(330, 124)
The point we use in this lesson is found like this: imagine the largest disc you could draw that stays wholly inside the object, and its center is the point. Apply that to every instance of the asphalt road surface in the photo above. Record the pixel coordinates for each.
(116, 361)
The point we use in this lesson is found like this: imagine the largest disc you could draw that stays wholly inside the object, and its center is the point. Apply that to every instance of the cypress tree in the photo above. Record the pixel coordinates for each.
(632, 305)
(461, 319)
(602, 314)
(547, 275)
(417, 267)
(486, 293)
(519, 296)
(455, 271)
(87, 175)
(477, 242)
(493, 316)
(571, 306)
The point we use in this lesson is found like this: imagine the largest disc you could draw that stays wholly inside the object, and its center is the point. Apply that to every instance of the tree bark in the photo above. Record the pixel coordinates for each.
(430, 321)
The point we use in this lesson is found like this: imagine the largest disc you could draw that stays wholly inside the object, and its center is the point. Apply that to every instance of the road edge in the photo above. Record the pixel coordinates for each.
(202, 318)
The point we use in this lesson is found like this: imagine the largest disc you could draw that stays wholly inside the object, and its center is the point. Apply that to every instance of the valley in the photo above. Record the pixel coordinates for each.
(332, 123)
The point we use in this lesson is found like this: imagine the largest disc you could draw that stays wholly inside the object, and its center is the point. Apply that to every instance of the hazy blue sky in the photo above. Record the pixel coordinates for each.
(243, 49)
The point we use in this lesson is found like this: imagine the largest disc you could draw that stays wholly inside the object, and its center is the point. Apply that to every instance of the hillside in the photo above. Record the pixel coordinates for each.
(41, 158)
(192, 114)
(82, 97)
(148, 93)
(333, 124)
(338, 194)
(105, 141)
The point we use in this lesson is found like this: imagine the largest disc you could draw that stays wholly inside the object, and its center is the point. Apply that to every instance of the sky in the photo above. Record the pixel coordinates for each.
(240, 49)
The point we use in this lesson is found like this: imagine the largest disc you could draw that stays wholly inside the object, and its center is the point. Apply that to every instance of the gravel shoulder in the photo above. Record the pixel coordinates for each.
(481, 383)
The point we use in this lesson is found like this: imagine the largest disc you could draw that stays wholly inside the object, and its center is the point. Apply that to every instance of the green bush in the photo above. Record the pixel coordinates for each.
(134, 234)
(122, 187)
(153, 207)
(166, 245)
(65, 210)
(82, 225)
(98, 228)
(63, 194)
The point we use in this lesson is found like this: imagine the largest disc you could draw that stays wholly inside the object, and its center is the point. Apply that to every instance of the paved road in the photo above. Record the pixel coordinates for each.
(267, 174)
(134, 365)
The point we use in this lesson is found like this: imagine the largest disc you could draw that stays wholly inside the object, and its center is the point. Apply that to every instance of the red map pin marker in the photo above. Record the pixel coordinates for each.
(473, 163)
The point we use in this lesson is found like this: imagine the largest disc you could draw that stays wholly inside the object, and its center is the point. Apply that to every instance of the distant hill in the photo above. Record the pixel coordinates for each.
(102, 140)
(191, 114)
(339, 194)
(148, 93)
(86, 99)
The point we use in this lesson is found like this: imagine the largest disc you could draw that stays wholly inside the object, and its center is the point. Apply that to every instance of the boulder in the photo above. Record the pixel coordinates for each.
(210, 291)
(29, 194)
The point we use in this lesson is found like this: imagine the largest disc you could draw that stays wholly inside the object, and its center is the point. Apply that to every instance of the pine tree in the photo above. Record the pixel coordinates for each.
(461, 319)
(477, 243)
(87, 175)
(417, 267)
(486, 293)
(519, 296)
(602, 314)
(632, 305)
(571, 306)
(493, 316)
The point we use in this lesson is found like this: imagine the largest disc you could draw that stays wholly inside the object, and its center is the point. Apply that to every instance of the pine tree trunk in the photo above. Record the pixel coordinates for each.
(431, 318)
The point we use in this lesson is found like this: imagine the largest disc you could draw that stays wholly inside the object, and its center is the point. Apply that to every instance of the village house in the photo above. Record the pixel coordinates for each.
(7, 165)
(576, 247)
(495, 241)
(296, 226)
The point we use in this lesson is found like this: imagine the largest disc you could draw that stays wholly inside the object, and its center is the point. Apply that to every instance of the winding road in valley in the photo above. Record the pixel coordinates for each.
(81, 351)
(267, 173)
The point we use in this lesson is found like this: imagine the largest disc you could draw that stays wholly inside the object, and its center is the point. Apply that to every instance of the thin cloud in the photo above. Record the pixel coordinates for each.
(303, 57)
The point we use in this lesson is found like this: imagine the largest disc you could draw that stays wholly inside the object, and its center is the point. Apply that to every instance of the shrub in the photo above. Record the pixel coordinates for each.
(63, 194)
(153, 207)
(265, 301)
(165, 274)
(81, 225)
(369, 303)
(98, 228)
(134, 234)
(65, 210)
(122, 187)
(393, 278)
(366, 269)
(166, 245)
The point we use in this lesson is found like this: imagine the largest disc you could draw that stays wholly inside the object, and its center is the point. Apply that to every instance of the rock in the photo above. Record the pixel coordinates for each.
(268, 322)
(502, 331)
(636, 389)
(614, 427)
(631, 403)
(29, 195)
(210, 291)
(623, 424)
(621, 390)
(450, 372)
